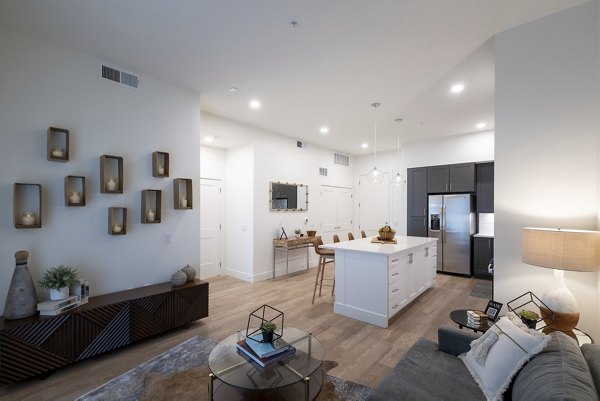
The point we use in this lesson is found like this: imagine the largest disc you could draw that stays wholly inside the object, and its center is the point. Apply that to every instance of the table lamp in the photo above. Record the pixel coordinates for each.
(554, 248)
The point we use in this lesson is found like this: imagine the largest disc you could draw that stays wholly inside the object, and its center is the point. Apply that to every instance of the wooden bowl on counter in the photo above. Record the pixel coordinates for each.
(387, 235)
(311, 233)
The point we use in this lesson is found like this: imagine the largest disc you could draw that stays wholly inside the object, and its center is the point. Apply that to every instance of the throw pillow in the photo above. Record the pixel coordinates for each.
(498, 355)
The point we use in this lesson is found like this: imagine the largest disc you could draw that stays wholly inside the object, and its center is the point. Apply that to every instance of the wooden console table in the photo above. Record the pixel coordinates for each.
(33, 346)
(284, 245)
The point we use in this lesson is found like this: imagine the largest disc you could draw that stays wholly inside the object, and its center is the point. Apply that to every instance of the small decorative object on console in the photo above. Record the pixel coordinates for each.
(21, 299)
(58, 280)
(298, 232)
(265, 318)
(178, 278)
(190, 272)
(311, 233)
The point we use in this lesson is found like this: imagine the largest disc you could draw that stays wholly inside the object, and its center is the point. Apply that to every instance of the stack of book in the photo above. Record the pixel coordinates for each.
(265, 354)
(53, 308)
(477, 319)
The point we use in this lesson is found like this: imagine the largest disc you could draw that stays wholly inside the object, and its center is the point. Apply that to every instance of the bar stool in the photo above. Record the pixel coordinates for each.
(325, 256)
(363, 234)
(350, 237)
(336, 238)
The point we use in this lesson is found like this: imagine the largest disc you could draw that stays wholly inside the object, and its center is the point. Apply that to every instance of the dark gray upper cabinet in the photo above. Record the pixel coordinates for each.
(437, 179)
(485, 188)
(451, 178)
(462, 177)
(417, 202)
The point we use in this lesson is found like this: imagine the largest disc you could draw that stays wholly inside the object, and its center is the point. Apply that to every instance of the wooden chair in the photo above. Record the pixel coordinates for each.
(336, 238)
(363, 234)
(350, 237)
(325, 256)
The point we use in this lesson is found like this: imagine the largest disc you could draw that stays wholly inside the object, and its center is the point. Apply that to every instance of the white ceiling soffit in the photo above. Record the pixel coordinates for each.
(342, 56)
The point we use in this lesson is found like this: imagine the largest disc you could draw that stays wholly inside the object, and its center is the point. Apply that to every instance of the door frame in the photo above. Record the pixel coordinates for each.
(221, 219)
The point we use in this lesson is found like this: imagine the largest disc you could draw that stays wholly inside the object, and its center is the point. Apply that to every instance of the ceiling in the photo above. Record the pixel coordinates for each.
(341, 56)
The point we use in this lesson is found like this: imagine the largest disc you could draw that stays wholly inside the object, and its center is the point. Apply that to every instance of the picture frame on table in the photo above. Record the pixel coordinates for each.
(492, 310)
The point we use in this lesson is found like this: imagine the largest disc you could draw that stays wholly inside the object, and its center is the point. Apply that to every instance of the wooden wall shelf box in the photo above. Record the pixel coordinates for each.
(160, 164)
(182, 193)
(75, 194)
(38, 345)
(151, 209)
(111, 167)
(117, 220)
(27, 198)
(57, 149)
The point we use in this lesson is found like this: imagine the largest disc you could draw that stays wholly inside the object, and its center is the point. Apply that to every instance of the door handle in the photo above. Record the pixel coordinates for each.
(450, 186)
(424, 212)
(410, 258)
(446, 186)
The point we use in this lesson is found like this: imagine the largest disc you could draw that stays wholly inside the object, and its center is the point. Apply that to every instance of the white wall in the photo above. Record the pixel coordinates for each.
(456, 149)
(267, 157)
(546, 170)
(43, 85)
(213, 162)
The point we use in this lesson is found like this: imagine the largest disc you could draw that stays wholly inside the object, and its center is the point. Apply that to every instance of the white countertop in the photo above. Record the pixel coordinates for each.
(483, 235)
(365, 245)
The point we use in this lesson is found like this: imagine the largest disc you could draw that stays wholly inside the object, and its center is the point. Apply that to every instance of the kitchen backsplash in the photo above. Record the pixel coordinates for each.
(486, 223)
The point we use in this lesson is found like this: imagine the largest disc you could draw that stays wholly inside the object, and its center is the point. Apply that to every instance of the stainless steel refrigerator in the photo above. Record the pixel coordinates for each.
(452, 222)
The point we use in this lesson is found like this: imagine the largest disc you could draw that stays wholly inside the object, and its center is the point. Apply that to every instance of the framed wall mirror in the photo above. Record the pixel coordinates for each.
(288, 196)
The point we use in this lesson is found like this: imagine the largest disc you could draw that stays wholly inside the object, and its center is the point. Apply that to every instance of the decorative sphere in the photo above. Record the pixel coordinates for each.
(178, 278)
(190, 272)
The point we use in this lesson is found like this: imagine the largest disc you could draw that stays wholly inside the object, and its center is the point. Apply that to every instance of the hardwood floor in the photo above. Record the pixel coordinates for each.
(365, 353)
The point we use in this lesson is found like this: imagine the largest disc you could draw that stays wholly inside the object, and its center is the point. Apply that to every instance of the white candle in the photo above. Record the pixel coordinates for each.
(57, 152)
(161, 170)
(75, 197)
(150, 215)
(117, 228)
(28, 218)
(111, 184)
(183, 202)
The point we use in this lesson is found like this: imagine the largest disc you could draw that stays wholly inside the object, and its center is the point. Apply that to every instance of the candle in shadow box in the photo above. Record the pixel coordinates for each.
(21, 300)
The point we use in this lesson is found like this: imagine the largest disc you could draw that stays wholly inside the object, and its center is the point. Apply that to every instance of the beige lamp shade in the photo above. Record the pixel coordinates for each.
(554, 248)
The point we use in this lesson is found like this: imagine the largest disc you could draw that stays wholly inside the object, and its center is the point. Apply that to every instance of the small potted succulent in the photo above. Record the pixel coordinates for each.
(530, 318)
(386, 233)
(267, 328)
(298, 232)
(58, 280)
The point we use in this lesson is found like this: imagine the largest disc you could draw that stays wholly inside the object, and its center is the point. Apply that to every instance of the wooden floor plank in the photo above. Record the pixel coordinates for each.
(365, 353)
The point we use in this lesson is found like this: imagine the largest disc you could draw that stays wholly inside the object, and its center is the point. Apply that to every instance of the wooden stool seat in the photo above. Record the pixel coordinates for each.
(325, 256)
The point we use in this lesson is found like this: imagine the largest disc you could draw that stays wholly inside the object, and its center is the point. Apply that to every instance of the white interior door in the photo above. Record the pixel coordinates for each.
(335, 212)
(210, 227)
(373, 203)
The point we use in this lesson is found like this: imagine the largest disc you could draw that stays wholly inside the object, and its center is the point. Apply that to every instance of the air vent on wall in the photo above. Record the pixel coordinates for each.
(323, 171)
(120, 77)
(300, 145)
(342, 160)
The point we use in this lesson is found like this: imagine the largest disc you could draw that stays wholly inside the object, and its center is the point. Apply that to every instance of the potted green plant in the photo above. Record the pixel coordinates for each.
(530, 318)
(58, 279)
(298, 232)
(267, 328)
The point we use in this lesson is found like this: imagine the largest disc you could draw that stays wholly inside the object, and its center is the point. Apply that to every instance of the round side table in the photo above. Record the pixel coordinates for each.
(459, 316)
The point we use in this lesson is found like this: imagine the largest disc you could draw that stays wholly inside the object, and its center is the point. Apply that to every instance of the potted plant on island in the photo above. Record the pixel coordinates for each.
(267, 328)
(58, 280)
(530, 318)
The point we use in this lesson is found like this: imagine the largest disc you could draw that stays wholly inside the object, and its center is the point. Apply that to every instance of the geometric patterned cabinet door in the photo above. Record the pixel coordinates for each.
(37, 345)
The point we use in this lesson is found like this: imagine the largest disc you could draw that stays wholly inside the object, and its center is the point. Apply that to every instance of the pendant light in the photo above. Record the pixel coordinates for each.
(376, 175)
(399, 180)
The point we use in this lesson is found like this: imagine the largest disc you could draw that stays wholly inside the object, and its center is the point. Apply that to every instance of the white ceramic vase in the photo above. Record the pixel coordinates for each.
(57, 295)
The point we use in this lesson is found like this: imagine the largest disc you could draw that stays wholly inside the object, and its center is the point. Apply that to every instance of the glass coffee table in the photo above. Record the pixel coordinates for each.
(297, 377)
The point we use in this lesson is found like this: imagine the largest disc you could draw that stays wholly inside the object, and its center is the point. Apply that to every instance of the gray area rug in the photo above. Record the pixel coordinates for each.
(482, 290)
(190, 354)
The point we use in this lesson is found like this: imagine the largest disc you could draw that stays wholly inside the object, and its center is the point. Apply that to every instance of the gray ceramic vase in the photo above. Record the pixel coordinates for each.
(21, 300)
(178, 278)
(190, 272)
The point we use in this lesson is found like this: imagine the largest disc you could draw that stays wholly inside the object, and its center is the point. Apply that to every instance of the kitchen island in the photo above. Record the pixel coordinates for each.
(375, 281)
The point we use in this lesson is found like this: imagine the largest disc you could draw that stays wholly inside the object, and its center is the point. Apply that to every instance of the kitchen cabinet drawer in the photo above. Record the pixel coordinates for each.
(396, 302)
(398, 264)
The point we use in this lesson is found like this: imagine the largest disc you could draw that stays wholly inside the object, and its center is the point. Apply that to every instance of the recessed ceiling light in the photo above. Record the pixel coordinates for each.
(323, 130)
(364, 145)
(233, 89)
(209, 139)
(457, 88)
(254, 104)
(481, 125)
